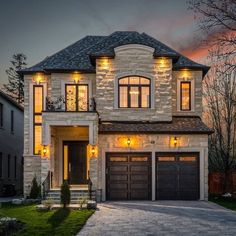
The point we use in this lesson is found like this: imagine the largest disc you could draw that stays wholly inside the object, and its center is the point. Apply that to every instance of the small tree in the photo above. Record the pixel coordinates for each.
(15, 86)
(65, 194)
(35, 189)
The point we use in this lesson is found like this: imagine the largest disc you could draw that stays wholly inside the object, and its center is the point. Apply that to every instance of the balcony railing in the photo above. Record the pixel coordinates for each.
(59, 104)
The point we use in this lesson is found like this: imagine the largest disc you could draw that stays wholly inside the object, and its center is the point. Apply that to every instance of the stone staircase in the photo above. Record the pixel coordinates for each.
(76, 195)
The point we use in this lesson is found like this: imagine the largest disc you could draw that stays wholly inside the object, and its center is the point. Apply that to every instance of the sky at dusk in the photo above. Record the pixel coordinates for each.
(39, 28)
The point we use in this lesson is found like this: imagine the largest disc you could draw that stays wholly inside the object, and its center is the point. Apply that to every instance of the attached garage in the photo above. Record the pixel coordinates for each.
(128, 176)
(177, 176)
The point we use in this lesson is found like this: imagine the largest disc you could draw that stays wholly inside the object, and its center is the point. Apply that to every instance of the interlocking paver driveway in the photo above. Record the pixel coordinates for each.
(160, 218)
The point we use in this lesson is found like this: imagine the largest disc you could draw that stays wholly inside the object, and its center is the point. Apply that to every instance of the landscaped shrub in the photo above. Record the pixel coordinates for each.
(35, 189)
(65, 194)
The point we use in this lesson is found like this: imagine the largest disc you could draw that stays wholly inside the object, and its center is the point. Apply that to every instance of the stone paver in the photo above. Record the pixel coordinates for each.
(160, 218)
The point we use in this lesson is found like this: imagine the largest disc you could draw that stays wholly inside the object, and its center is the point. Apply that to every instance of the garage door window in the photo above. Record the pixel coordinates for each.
(187, 158)
(118, 158)
(139, 159)
(166, 159)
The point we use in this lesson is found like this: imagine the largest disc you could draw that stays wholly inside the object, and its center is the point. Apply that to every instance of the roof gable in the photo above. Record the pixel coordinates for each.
(80, 55)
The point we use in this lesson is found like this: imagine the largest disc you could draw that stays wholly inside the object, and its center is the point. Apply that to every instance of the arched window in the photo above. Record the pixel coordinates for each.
(134, 92)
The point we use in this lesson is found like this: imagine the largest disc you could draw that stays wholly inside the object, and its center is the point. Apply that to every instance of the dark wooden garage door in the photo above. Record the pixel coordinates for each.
(128, 176)
(177, 176)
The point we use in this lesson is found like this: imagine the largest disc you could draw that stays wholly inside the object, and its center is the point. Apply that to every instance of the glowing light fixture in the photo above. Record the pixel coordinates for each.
(174, 141)
(128, 142)
(76, 77)
(45, 151)
(38, 78)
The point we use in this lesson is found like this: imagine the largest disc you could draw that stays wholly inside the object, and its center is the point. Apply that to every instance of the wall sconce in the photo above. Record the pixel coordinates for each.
(76, 77)
(128, 142)
(162, 62)
(185, 74)
(105, 63)
(92, 151)
(45, 151)
(38, 78)
(174, 141)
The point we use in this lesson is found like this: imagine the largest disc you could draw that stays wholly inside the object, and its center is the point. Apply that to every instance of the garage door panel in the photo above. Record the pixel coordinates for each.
(118, 168)
(167, 195)
(139, 168)
(139, 195)
(119, 186)
(138, 177)
(132, 177)
(119, 177)
(118, 195)
(178, 179)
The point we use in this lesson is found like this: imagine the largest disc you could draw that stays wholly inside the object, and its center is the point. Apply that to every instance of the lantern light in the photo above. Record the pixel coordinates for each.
(128, 142)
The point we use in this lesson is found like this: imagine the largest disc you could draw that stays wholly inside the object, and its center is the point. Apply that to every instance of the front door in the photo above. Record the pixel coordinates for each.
(75, 162)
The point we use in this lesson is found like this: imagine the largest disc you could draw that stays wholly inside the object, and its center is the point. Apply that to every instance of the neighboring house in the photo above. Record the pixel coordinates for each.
(123, 110)
(11, 145)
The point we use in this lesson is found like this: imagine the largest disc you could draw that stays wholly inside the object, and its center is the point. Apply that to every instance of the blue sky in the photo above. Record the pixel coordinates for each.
(39, 28)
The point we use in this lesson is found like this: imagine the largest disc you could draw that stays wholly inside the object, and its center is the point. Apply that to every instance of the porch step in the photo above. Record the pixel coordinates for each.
(76, 195)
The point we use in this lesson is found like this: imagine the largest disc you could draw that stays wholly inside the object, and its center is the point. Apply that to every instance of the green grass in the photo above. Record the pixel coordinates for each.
(57, 222)
(229, 203)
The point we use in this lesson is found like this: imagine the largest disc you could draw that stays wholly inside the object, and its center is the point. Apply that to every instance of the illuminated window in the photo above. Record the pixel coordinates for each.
(134, 92)
(77, 97)
(185, 96)
(38, 107)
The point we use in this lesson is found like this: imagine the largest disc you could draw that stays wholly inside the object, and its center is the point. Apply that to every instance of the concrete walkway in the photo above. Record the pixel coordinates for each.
(160, 218)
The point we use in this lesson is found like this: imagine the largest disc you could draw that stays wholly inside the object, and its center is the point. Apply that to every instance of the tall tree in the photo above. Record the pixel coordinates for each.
(217, 20)
(15, 85)
(219, 94)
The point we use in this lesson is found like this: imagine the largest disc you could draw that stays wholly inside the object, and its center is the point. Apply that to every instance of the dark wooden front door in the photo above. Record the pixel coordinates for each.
(177, 176)
(128, 176)
(75, 161)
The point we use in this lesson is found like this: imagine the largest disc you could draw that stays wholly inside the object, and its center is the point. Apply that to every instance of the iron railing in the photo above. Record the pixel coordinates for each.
(47, 184)
(58, 104)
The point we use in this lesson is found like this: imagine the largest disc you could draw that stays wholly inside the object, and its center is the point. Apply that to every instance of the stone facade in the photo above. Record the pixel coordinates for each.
(130, 60)
(154, 143)
(134, 60)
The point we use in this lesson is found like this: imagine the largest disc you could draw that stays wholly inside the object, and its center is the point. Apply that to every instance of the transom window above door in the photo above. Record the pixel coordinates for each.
(134, 92)
(77, 98)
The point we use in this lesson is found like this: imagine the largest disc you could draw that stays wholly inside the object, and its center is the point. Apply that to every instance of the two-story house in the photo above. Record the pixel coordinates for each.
(11, 146)
(123, 110)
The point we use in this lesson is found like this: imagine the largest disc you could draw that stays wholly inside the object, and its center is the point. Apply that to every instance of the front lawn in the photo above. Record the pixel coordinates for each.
(229, 203)
(56, 222)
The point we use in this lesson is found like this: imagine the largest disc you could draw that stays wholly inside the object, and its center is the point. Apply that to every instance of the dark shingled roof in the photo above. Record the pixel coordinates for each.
(80, 55)
(178, 125)
(11, 100)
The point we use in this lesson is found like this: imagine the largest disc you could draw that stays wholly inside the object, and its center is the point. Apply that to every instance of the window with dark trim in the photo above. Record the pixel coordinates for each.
(12, 121)
(77, 97)
(1, 115)
(15, 166)
(8, 166)
(1, 165)
(134, 92)
(185, 96)
(37, 117)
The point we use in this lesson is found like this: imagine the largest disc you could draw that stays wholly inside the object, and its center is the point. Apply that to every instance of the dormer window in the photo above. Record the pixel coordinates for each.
(134, 92)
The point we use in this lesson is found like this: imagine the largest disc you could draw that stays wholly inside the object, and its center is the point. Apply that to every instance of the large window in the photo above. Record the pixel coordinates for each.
(185, 96)
(134, 92)
(77, 97)
(38, 107)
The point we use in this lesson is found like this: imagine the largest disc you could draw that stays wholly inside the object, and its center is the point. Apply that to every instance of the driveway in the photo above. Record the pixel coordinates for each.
(160, 218)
